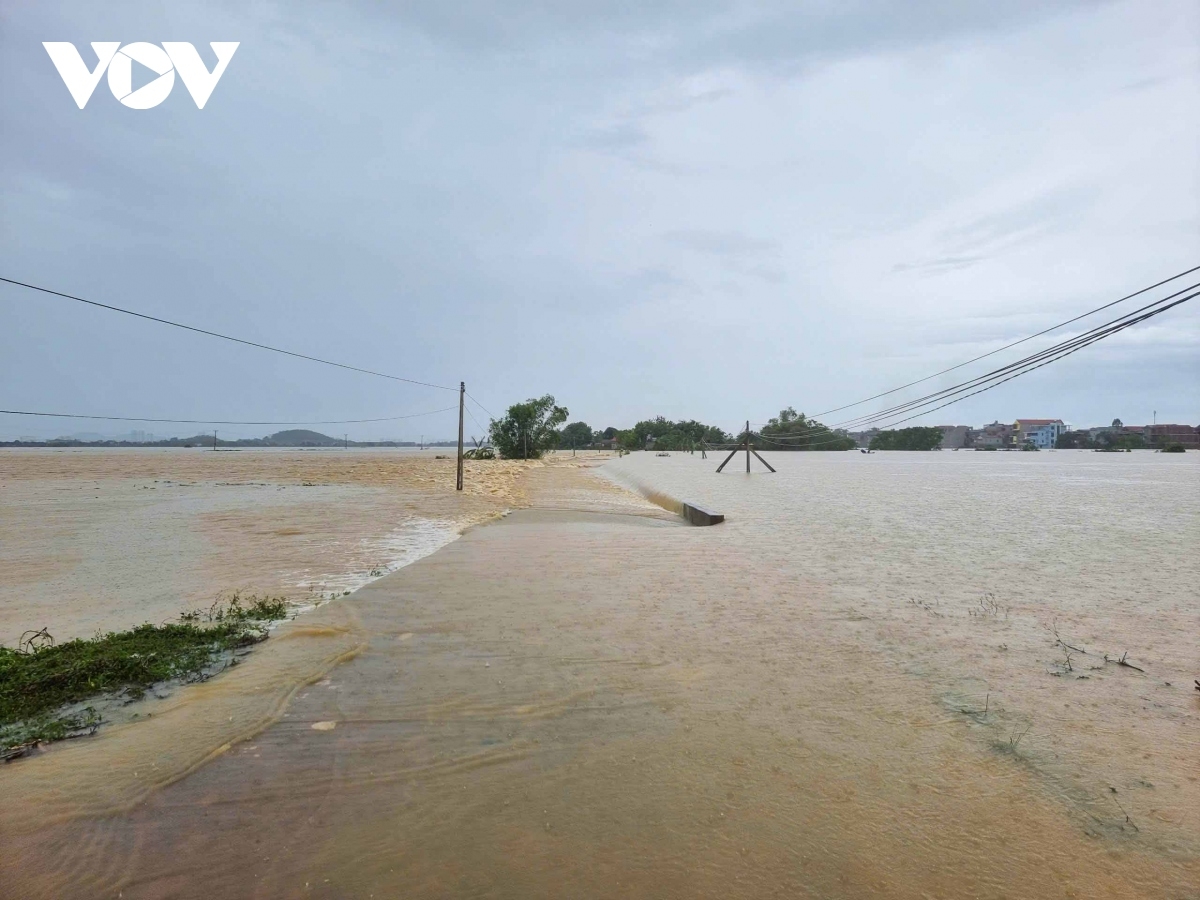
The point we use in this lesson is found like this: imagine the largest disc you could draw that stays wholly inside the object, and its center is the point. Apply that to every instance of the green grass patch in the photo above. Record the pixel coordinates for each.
(42, 682)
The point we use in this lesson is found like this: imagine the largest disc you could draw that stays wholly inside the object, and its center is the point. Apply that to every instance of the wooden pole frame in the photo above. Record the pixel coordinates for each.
(745, 446)
(727, 459)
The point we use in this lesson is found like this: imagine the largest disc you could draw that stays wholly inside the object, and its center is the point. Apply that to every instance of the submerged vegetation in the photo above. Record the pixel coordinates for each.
(918, 438)
(791, 430)
(42, 683)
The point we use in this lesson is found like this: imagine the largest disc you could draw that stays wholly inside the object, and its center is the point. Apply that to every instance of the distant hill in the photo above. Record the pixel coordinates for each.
(292, 437)
(300, 437)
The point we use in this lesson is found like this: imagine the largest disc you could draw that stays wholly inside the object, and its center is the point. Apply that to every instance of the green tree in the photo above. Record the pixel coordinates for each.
(528, 429)
(577, 434)
(1114, 439)
(791, 430)
(918, 438)
(670, 435)
(628, 440)
(1073, 440)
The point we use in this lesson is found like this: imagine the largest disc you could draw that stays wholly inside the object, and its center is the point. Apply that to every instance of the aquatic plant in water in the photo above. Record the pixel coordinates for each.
(42, 682)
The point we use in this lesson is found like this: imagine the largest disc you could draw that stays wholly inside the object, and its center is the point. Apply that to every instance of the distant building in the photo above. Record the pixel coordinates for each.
(1158, 436)
(955, 437)
(998, 435)
(1042, 433)
(862, 438)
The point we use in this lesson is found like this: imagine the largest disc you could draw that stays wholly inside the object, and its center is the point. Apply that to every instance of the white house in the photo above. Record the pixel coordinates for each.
(1042, 433)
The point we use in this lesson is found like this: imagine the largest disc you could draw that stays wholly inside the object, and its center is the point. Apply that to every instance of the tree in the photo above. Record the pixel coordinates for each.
(577, 434)
(919, 438)
(791, 430)
(1073, 440)
(668, 435)
(628, 440)
(610, 433)
(528, 429)
(1114, 439)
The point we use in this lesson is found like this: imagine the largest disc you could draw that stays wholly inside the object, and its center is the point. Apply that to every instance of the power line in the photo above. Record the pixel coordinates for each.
(1056, 351)
(1034, 361)
(1013, 344)
(1000, 376)
(476, 421)
(1047, 362)
(225, 337)
(55, 415)
(481, 406)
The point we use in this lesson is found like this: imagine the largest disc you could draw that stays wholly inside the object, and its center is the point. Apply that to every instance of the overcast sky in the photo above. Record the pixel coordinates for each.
(687, 208)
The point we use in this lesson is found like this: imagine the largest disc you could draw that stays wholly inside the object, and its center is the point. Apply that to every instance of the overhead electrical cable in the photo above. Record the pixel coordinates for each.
(997, 377)
(1047, 362)
(1057, 351)
(56, 415)
(1013, 344)
(480, 405)
(225, 337)
(475, 420)
(1063, 348)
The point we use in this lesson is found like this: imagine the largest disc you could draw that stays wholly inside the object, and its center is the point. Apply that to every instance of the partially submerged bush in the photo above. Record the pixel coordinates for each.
(1174, 447)
(41, 679)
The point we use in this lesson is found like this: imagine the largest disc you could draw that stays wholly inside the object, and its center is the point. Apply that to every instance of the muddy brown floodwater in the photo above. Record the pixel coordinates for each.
(861, 685)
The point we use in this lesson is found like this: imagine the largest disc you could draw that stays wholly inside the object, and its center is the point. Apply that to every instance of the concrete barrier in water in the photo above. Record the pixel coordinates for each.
(698, 515)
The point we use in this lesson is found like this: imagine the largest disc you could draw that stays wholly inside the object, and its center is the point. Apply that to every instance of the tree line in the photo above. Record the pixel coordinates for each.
(530, 429)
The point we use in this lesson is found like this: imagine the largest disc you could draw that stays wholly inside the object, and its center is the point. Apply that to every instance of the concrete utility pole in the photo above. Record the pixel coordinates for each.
(462, 390)
(214, 439)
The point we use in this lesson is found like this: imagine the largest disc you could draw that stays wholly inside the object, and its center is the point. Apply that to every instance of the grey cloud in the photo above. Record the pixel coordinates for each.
(940, 264)
(704, 33)
(525, 194)
(1024, 221)
(720, 243)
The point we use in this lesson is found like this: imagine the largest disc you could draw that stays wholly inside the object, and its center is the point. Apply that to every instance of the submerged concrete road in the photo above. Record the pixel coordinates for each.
(570, 703)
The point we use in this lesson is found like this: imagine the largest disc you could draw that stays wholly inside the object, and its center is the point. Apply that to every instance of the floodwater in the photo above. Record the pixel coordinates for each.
(105, 539)
(889, 675)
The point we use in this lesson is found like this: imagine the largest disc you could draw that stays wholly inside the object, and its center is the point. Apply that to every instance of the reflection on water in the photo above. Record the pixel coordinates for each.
(882, 676)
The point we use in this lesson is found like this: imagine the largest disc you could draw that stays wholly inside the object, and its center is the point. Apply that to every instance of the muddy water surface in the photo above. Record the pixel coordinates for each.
(860, 685)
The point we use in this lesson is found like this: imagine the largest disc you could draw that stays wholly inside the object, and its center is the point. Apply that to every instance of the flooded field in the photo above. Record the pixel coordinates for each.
(884, 676)
(1006, 582)
(106, 539)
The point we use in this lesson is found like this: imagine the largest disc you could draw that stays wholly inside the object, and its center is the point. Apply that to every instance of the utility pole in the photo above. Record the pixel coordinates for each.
(462, 390)
(748, 450)
(214, 439)
(422, 442)
(345, 442)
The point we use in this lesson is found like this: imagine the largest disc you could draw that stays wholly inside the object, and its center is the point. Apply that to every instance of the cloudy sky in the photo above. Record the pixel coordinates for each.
(688, 207)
